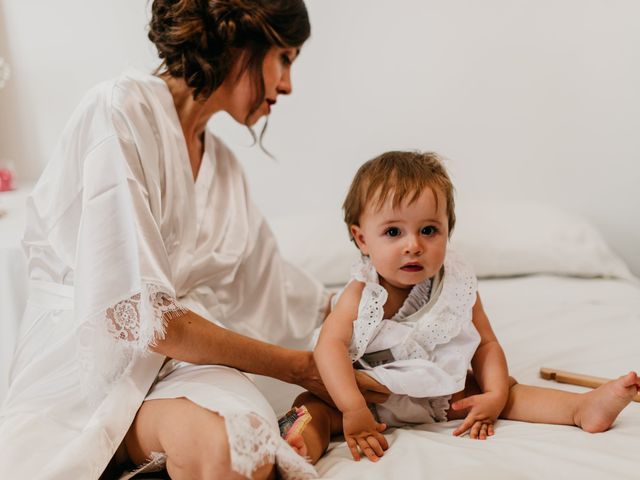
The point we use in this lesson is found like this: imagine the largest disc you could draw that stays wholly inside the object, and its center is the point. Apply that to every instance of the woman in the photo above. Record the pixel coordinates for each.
(154, 278)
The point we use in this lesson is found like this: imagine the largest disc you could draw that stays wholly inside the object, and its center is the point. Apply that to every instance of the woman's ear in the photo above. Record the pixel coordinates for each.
(358, 237)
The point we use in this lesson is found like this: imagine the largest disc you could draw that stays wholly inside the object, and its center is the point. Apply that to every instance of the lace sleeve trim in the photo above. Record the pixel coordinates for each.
(111, 339)
(124, 322)
(370, 311)
(370, 314)
(364, 271)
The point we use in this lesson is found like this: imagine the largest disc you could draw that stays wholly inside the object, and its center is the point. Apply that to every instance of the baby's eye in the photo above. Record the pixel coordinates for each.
(392, 232)
(429, 231)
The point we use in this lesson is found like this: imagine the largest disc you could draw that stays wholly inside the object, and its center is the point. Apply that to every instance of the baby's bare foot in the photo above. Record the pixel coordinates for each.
(600, 407)
(298, 444)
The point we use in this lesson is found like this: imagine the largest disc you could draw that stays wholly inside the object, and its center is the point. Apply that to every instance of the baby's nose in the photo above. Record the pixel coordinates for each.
(413, 246)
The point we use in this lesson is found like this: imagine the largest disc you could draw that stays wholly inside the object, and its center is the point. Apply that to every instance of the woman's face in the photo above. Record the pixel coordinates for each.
(276, 71)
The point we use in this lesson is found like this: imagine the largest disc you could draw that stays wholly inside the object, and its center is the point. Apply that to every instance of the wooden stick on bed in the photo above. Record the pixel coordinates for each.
(575, 379)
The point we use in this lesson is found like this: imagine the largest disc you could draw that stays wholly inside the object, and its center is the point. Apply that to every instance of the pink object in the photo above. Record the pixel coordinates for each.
(6, 180)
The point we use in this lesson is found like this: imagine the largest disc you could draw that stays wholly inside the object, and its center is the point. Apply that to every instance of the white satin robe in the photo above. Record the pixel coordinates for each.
(119, 235)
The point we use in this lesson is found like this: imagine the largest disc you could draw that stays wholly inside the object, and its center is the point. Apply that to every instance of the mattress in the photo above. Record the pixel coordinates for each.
(583, 325)
(557, 296)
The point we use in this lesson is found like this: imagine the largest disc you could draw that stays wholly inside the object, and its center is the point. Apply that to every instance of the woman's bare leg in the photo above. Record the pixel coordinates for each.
(326, 421)
(193, 438)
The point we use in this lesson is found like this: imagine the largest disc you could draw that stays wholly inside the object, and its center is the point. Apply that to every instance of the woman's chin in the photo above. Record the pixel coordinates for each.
(255, 118)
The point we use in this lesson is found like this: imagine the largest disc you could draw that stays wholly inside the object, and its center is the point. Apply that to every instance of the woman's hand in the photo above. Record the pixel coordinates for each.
(372, 390)
(361, 431)
(484, 410)
(309, 378)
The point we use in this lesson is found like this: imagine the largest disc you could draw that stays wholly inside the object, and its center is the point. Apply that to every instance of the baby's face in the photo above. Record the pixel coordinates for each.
(406, 244)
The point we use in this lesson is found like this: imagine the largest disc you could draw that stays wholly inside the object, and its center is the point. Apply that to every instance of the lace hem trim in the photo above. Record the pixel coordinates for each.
(252, 444)
(155, 463)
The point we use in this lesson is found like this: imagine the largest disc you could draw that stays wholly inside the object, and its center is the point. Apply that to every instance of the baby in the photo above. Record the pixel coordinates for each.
(411, 318)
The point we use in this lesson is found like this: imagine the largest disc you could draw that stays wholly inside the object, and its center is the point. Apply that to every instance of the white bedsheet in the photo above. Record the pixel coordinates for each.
(590, 326)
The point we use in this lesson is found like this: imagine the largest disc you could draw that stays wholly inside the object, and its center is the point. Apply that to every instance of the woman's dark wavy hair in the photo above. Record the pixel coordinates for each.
(200, 40)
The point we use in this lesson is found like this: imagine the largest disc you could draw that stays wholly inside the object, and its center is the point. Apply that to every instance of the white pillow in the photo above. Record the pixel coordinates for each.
(498, 239)
(317, 242)
(502, 239)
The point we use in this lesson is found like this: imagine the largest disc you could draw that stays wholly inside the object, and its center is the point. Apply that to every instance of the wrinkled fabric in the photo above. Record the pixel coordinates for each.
(120, 239)
(432, 337)
(431, 340)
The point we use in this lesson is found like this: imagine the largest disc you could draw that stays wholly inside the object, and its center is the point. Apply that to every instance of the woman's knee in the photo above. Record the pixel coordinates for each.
(212, 457)
(196, 442)
(198, 448)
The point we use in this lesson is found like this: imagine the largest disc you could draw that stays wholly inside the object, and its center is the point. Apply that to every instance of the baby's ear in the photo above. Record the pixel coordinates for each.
(358, 237)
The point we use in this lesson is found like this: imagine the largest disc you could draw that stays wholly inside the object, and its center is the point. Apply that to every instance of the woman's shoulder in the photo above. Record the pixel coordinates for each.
(111, 107)
(139, 101)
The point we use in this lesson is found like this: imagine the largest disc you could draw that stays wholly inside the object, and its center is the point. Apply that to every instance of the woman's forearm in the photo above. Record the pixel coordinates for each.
(194, 339)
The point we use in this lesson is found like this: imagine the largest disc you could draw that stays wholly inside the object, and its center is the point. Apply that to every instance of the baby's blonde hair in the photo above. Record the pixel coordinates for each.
(401, 175)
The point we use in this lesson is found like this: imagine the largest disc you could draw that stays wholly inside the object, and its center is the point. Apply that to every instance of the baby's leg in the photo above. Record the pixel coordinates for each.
(325, 422)
(593, 411)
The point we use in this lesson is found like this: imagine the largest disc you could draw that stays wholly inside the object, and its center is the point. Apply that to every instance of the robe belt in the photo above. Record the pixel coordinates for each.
(374, 359)
(51, 295)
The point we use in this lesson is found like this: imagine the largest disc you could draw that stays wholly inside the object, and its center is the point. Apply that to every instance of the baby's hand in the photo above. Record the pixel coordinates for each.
(362, 430)
(483, 413)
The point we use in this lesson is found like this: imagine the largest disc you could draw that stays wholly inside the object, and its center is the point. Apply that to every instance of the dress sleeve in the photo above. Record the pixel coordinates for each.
(123, 292)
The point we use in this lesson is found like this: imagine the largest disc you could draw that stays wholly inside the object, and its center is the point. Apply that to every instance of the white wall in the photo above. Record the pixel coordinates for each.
(527, 99)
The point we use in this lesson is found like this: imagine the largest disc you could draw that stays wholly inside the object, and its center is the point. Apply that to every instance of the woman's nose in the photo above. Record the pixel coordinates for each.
(285, 87)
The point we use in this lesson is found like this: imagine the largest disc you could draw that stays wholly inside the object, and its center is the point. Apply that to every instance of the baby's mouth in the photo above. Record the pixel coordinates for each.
(412, 267)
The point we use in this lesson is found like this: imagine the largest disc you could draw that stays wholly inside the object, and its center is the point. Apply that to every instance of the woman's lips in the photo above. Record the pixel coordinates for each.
(270, 103)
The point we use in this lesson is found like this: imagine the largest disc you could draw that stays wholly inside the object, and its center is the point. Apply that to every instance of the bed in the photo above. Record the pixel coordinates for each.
(557, 296)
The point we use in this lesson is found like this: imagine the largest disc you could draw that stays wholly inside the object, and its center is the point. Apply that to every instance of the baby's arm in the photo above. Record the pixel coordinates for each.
(334, 364)
(490, 370)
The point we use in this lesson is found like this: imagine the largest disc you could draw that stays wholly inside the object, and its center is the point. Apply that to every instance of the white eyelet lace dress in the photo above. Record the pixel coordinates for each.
(431, 339)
